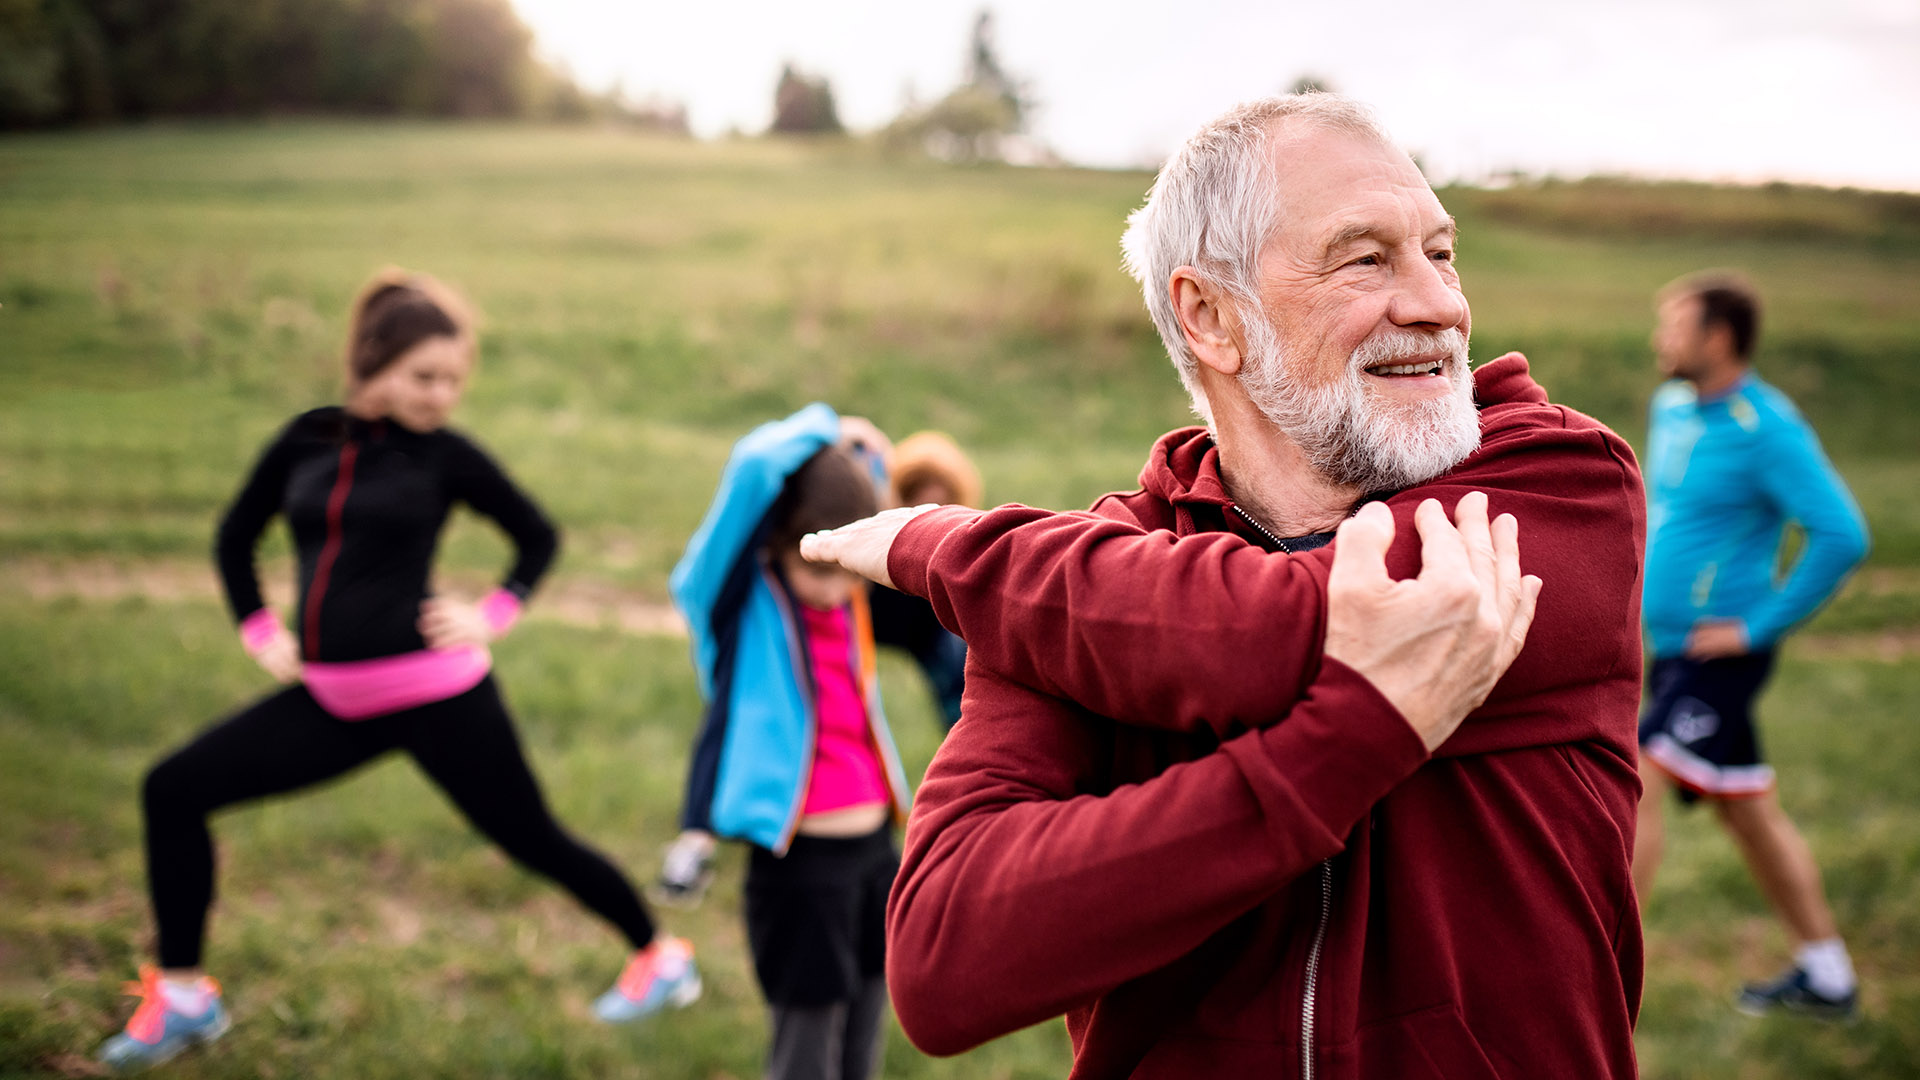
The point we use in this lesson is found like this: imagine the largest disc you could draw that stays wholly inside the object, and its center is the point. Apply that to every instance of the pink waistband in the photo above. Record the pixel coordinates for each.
(360, 689)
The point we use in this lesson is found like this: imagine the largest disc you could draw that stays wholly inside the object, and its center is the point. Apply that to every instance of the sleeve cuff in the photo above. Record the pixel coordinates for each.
(912, 552)
(259, 629)
(1342, 749)
(501, 609)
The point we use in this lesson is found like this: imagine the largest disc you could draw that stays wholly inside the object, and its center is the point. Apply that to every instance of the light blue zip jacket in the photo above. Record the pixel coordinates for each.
(751, 764)
(1724, 477)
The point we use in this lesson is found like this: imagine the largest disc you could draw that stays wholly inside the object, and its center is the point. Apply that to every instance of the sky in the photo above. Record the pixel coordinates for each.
(1819, 91)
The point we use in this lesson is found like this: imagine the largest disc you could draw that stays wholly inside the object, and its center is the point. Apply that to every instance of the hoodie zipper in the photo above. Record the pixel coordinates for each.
(1312, 986)
(1284, 547)
(1313, 971)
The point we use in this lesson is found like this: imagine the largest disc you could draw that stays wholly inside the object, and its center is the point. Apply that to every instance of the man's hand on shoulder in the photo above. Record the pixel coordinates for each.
(1433, 645)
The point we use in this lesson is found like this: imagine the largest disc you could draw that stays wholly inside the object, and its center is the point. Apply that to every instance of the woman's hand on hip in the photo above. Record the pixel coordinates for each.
(446, 623)
(280, 656)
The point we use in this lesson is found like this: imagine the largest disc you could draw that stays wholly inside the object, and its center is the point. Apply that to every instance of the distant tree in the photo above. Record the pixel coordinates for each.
(31, 64)
(803, 104)
(970, 122)
(69, 60)
(480, 62)
(985, 75)
(53, 65)
(1310, 84)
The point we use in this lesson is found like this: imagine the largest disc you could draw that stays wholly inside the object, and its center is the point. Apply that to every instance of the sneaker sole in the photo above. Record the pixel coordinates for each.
(221, 1027)
(687, 992)
(679, 900)
(681, 996)
(1811, 1012)
(185, 1043)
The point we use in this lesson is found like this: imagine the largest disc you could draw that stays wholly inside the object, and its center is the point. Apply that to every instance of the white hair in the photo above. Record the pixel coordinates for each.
(1212, 208)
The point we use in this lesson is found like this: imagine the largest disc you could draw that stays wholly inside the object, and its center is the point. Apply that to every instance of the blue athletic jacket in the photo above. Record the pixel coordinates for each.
(748, 777)
(1724, 476)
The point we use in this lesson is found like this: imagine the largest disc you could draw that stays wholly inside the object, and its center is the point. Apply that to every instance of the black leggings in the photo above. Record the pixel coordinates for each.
(465, 744)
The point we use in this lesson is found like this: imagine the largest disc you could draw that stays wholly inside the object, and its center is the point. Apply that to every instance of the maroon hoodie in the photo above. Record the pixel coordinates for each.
(1165, 815)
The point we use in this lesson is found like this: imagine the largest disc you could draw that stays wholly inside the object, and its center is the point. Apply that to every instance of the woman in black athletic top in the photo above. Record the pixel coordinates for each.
(378, 663)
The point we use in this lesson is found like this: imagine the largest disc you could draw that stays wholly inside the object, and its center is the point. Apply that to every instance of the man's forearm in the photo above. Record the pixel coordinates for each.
(1207, 631)
(1019, 899)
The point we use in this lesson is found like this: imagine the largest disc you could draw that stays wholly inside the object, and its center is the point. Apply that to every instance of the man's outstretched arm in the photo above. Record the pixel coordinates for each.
(1210, 630)
(1005, 911)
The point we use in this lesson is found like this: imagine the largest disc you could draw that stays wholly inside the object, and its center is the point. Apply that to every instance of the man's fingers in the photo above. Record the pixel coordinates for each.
(862, 546)
(1360, 549)
(1442, 553)
(1523, 615)
(1476, 535)
(816, 548)
(1505, 533)
(820, 547)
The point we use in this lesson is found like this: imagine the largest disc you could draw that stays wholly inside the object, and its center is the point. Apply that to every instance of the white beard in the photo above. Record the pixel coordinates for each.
(1351, 437)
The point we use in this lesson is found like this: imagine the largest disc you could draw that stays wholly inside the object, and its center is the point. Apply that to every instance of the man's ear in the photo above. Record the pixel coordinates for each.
(1719, 343)
(1208, 319)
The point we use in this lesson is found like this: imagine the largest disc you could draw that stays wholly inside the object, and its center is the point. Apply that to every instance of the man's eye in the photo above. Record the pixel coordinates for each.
(1366, 260)
(1442, 255)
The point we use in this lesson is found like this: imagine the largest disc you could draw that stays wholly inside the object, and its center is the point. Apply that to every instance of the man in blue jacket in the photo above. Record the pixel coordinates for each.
(1729, 463)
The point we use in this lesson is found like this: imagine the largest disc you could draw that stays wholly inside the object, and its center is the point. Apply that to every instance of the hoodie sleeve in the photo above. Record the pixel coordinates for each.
(1004, 912)
(1127, 622)
(1210, 631)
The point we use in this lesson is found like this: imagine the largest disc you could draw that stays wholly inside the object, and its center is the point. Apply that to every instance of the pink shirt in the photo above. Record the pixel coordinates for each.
(846, 767)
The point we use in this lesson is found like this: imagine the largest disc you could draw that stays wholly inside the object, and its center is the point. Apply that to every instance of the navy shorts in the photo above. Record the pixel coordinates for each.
(1698, 725)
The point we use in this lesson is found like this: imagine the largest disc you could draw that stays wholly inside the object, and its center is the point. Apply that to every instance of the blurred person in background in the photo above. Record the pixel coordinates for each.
(927, 468)
(1730, 464)
(1241, 798)
(794, 756)
(377, 663)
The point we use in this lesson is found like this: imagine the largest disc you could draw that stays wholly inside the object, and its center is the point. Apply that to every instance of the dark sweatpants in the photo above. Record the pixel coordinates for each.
(465, 744)
(816, 925)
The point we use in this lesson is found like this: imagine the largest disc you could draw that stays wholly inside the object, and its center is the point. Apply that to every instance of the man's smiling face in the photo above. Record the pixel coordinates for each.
(1362, 359)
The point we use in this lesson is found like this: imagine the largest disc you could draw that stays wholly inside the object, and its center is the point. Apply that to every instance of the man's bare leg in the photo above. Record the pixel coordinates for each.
(1782, 865)
(1650, 833)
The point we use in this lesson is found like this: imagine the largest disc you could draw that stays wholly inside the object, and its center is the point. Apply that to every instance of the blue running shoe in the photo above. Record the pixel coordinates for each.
(658, 976)
(158, 1030)
(1792, 992)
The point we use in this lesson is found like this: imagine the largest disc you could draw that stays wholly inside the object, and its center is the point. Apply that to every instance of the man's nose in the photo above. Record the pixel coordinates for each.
(1427, 298)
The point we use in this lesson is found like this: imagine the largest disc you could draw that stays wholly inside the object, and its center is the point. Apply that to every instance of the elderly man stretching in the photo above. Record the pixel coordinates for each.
(1206, 796)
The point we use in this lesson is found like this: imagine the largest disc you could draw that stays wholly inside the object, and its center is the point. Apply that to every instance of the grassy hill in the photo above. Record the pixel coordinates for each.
(168, 295)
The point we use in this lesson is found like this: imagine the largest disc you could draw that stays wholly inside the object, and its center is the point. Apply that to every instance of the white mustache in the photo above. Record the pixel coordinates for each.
(1392, 345)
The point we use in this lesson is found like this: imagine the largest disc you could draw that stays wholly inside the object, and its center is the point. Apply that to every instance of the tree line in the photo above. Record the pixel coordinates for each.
(88, 61)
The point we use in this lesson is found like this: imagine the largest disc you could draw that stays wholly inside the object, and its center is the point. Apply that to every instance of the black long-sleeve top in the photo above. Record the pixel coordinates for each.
(365, 501)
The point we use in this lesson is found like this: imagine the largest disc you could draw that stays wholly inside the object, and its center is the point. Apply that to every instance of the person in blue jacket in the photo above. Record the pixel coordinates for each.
(1730, 463)
(794, 756)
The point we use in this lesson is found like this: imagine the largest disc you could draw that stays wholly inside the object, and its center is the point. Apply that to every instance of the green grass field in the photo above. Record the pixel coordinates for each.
(169, 295)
